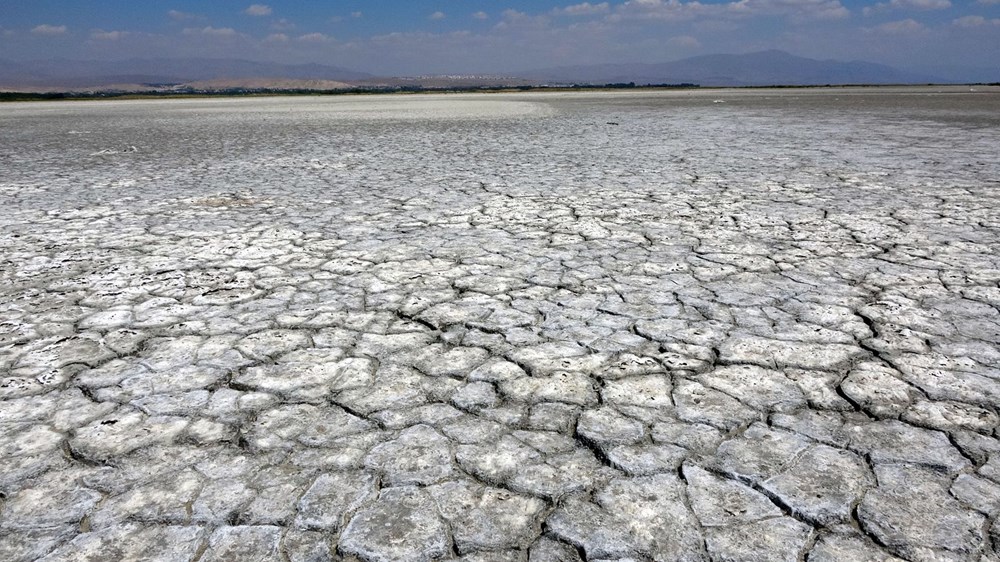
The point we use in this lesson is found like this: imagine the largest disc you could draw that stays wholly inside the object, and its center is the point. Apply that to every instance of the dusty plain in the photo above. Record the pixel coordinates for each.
(697, 325)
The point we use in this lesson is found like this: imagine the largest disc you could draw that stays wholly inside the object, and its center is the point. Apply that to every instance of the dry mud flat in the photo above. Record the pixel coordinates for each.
(748, 325)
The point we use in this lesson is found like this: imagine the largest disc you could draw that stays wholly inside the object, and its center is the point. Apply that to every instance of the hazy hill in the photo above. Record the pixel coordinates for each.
(76, 74)
(966, 74)
(267, 83)
(754, 69)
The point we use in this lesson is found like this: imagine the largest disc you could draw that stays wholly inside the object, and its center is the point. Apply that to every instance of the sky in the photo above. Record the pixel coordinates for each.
(414, 37)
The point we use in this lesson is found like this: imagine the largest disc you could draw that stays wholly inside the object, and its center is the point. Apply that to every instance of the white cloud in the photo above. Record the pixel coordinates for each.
(671, 10)
(908, 5)
(99, 35)
(901, 27)
(513, 15)
(258, 10)
(355, 15)
(584, 9)
(684, 42)
(921, 4)
(211, 31)
(178, 15)
(436, 16)
(513, 19)
(314, 38)
(46, 29)
(795, 10)
(675, 10)
(975, 21)
(605, 31)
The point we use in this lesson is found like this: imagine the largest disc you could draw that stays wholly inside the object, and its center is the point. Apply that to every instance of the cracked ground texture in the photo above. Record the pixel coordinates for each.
(743, 325)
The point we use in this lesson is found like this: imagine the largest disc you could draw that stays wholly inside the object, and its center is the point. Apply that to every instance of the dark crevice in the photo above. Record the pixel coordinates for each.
(785, 508)
(594, 448)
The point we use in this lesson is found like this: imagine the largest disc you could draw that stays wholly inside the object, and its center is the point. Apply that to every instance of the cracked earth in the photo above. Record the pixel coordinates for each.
(748, 325)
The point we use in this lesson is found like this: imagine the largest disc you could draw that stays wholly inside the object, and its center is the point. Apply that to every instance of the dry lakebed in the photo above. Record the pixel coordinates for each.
(754, 325)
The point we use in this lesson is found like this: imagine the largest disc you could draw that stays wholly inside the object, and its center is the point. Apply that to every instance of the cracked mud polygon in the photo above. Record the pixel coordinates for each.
(738, 325)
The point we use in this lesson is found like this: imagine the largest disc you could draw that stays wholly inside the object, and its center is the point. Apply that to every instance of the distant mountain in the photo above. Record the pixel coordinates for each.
(267, 83)
(964, 74)
(56, 73)
(763, 68)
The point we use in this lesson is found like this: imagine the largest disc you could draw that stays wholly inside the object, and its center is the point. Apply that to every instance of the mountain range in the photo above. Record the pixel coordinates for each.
(765, 68)
(62, 73)
(754, 69)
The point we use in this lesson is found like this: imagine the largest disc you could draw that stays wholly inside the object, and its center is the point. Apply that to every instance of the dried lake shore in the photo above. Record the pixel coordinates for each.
(649, 326)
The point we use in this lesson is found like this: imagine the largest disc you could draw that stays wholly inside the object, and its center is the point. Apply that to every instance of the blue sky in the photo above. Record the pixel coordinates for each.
(461, 36)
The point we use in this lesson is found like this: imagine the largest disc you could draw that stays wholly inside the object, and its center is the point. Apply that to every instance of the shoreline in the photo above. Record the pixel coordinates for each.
(36, 96)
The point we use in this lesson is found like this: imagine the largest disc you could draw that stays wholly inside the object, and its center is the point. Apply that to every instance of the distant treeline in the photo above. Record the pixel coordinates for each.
(193, 92)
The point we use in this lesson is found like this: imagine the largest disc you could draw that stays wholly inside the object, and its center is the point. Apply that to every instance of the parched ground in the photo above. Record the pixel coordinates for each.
(745, 325)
